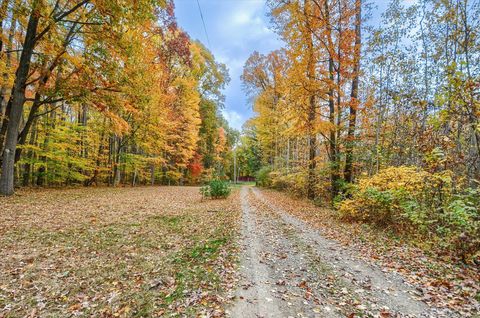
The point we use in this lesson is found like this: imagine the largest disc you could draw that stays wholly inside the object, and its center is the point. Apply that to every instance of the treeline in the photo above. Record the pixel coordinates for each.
(107, 92)
(380, 117)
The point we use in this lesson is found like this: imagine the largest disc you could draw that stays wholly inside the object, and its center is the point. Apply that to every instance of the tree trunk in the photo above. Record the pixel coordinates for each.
(8, 64)
(17, 100)
(117, 172)
(152, 174)
(352, 120)
(98, 162)
(311, 150)
(27, 169)
(334, 175)
(22, 138)
(311, 116)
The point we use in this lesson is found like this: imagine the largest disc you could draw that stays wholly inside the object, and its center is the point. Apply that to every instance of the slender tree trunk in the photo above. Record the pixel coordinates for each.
(22, 138)
(8, 64)
(152, 174)
(287, 154)
(332, 142)
(50, 123)
(3, 129)
(98, 162)
(352, 120)
(311, 149)
(117, 158)
(17, 100)
(27, 168)
(311, 116)
(334, 175)
(134, 178)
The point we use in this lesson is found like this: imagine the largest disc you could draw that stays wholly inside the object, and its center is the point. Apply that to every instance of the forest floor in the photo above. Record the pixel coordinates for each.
(165, 252)
(116, 252)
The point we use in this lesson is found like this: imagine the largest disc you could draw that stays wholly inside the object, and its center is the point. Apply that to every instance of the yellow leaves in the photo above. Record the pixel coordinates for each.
(393, 178)
(348, 209)
(77, 61)
(408, 178)
(130, 108)
(385, 196)
(119, 125)
(137, 74)
(221, 143)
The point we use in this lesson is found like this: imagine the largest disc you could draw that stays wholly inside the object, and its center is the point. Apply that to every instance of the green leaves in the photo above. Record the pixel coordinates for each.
(216, 189)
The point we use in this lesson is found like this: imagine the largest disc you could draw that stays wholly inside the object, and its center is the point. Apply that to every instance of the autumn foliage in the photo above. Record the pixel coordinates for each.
(379, 119)
(106, 92)
(420, 203)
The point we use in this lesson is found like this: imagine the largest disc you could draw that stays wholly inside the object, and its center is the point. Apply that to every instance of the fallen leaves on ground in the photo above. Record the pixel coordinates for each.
(116, 252)
(439, 282)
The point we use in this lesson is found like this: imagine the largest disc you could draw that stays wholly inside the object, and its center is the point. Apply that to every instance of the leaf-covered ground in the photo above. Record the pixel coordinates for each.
(125, 252)
(439, 282)
(290, 270)
(165, 252)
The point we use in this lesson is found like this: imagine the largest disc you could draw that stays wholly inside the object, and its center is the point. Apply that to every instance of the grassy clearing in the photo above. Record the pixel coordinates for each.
(131, 252)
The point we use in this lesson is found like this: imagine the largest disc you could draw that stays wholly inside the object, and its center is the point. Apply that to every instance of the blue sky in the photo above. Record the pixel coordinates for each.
(236, 28)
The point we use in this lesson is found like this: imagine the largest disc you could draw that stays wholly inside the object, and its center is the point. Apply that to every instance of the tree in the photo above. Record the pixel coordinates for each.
(111, 93)
(352, 121)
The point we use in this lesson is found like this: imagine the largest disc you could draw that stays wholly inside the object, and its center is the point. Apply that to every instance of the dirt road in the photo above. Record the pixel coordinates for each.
(289, 270)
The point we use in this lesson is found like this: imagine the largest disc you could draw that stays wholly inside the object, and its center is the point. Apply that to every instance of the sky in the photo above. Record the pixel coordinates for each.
(235, 29)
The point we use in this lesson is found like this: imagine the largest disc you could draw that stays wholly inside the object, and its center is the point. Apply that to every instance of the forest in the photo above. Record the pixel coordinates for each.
(107, 92)
(126, 182)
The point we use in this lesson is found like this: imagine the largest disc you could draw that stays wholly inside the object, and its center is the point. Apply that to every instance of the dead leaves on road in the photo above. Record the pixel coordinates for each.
(438, 282)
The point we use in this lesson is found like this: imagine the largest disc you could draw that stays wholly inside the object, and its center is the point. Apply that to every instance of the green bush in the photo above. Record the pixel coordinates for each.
(216, 189)
(460, 223)
(263, 177)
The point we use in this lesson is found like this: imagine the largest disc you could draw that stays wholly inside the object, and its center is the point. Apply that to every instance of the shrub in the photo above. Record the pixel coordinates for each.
(413, 201)
(294, 182)
(387, 197)
(263, 177)
(460, 223)
(393, 178)
(216, 189)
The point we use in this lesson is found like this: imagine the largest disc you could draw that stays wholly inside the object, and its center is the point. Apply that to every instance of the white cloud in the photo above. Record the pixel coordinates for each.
(244, 23)
(236, 28)
(234, 119)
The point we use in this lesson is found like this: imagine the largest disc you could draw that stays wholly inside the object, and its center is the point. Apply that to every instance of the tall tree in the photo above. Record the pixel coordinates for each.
(352, 120)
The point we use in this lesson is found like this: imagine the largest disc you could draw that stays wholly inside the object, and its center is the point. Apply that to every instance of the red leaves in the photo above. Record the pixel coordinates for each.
(195, 167)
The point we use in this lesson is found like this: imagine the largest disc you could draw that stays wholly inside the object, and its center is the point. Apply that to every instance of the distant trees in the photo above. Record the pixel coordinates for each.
(106, 92)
